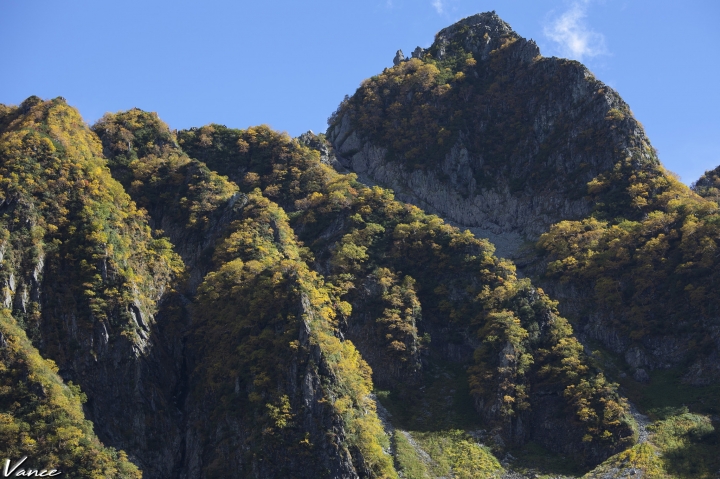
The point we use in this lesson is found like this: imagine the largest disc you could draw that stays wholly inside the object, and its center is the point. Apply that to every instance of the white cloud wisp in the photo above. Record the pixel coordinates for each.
(439, 6)
(575, 38)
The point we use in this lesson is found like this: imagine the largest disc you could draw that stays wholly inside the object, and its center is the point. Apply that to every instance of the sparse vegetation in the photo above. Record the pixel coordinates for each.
(682, 446)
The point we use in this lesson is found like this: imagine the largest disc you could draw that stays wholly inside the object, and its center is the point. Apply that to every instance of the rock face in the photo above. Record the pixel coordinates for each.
(272, 406)
(651, 352)
(418, 52)
(223, 343)
(530, 134)
(402, 296)
(480, 34)
(103, 328)
(483, 131)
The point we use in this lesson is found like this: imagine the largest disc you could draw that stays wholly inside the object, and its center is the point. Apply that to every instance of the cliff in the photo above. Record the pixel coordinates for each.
(263, 391)
(484, 131)
(424, 295)
(82, 274)
(550, 164)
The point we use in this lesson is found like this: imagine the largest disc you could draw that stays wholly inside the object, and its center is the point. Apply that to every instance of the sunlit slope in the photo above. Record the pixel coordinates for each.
(41, 417)
(486, 132)
(272, 391)
(80, 272)
(420, 288)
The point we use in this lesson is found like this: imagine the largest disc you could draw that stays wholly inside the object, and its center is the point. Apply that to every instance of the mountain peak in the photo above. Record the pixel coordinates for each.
(488, 22)
(478, 34)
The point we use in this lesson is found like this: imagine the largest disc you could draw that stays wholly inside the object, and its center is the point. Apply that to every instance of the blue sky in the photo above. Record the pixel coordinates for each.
(289, 63)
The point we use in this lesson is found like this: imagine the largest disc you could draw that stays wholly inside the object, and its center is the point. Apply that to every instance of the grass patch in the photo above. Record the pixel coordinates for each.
(438, 413)
(455, 454)
(641, 456)
(684, 446)
(407, 459)
(689, 445)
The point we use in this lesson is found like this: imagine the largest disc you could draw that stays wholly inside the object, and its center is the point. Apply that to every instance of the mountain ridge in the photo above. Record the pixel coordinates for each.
(231, 304)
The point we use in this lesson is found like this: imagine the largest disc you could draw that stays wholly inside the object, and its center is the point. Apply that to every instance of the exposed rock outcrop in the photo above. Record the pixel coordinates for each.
(515, 186)
(74, 293)
(513, 142)
(418, 53)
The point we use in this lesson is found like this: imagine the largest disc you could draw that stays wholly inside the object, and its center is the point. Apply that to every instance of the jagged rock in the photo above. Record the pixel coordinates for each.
(479, 34)
(125, 366)
(315, 142)
(142, 393)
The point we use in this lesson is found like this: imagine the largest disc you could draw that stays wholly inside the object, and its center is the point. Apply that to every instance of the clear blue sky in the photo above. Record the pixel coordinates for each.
(289, 63)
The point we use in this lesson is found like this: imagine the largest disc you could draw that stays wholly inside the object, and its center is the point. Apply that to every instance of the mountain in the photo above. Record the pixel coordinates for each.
(484, 131)
(81, 278)
(217, 302)
(531, 148)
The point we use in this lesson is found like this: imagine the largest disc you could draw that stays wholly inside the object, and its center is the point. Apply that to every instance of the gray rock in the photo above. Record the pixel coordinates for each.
(316, 142)
(641, 376)
(468, 188)
(636, 358)
(399, 58)
(480, 34)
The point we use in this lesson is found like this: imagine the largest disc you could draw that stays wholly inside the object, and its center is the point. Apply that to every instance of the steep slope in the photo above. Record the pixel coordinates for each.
(42, 418)
(272, 391)
(424, 294)
(651, 282)
(708, 185)
(487, 133)
(266, 338)
(483, 130)
(82, 274)
(187, 201)
(298, 323)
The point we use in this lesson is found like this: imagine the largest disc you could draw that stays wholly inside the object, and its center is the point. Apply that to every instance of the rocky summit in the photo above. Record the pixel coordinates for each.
(487, 133)
(481, 270)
